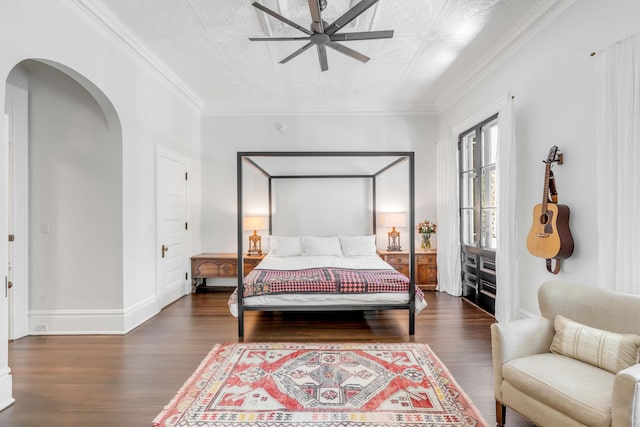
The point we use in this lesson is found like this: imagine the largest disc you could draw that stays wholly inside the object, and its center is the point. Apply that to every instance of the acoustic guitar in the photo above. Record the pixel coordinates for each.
(550, 236)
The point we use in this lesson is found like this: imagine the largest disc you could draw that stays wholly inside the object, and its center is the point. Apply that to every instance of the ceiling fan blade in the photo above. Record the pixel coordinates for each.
(316, 17)
(367, 35)
(349, 16)
(281, 18)
(296, 53)
(271, 39)
(348, 51)
(322, 56)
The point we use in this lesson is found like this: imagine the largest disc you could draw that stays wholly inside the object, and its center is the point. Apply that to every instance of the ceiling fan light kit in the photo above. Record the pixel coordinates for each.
(323, 35)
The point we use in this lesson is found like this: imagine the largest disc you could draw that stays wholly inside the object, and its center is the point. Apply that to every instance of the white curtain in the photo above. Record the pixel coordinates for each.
(449, 275)
(618, 165)
(508, 295)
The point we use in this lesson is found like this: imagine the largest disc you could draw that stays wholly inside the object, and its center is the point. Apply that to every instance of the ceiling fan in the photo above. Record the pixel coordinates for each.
(323, 35)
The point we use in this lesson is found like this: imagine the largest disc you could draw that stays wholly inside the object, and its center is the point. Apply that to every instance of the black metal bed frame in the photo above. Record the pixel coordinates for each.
(402, 156)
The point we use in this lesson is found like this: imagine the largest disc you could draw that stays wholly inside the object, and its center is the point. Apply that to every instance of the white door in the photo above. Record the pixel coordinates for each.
(171, 220)
(18, 211)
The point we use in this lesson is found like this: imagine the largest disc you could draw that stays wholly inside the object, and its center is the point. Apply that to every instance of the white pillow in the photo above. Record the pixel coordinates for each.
(358, 245)
(284, 246)
(325, 246)
(604, 349)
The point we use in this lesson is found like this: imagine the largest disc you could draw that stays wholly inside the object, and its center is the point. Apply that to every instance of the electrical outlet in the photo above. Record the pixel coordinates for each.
(42, 327)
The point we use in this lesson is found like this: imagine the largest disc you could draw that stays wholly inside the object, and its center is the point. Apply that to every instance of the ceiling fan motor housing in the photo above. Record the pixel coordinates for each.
(323, 35)
(319, 38)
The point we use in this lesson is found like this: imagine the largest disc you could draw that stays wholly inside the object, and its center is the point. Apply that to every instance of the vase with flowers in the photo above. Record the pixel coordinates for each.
(426, 228)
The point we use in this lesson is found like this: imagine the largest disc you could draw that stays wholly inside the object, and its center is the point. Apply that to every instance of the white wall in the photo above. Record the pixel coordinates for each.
(553, 80)
(322, 207)
(393, 197)
(223, 136)
(151, 111)
(76, 193)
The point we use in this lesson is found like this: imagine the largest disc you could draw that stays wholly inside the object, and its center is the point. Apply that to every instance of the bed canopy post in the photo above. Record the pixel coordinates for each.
(374, 203)
(270, 209)
(240, 259)
(412, 246)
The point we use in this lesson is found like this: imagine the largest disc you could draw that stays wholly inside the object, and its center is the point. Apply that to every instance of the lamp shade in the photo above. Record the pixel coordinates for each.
(394, 219)
(254, 223)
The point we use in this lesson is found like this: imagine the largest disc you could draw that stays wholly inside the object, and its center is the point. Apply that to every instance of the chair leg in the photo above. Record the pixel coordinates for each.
(501, 413)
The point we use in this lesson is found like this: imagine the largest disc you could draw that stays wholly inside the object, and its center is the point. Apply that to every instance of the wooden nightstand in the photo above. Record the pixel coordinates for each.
(425, 264)
(206, 266)
(427, 268)
(397, 259)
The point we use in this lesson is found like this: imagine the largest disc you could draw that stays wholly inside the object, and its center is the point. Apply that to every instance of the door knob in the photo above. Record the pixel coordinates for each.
(164, 250)
(10, 284)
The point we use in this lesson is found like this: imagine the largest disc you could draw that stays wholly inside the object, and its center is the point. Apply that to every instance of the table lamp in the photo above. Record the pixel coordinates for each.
(255, 223)
(394, 220)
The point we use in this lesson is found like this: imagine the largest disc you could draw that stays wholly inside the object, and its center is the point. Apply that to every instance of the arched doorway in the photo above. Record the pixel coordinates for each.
(66, 204)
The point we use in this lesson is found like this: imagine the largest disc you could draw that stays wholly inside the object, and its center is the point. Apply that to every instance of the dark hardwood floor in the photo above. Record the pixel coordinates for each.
(126, 380)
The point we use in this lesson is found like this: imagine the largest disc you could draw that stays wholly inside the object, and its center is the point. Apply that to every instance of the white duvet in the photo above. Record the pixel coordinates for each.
(301, 262)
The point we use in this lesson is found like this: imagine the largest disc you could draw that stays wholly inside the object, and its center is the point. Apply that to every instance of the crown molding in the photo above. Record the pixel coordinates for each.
(121, 33)
(317, 113)
(530, 25)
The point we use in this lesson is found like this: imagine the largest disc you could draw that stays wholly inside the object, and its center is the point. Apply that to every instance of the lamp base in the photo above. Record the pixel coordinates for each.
(394, 240)
(255, 244)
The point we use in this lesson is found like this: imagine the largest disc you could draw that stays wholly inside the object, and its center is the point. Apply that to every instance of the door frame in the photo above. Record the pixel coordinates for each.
(6, 379)
(17, 100)
(478, 264)
(171, 154)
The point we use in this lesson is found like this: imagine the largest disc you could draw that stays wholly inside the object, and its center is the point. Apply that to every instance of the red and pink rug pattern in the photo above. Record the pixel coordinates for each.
(323, 384)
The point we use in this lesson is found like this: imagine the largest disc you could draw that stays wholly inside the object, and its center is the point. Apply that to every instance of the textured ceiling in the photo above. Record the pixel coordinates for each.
(435, 46)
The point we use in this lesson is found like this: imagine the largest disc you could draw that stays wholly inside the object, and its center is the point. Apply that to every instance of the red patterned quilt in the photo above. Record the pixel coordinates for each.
(324, 280)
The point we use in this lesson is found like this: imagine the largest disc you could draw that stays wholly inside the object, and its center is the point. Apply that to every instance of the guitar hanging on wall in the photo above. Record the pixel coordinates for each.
(550, 237)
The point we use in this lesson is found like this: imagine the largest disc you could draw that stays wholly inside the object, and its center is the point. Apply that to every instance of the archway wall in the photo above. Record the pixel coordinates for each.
(74, 200)
(151, 112)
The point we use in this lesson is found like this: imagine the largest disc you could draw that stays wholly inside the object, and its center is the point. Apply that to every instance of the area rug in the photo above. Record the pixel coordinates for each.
(312, 385)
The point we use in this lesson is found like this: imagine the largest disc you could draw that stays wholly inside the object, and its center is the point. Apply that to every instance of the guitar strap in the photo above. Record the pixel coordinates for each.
(553, 198)
(554, 270)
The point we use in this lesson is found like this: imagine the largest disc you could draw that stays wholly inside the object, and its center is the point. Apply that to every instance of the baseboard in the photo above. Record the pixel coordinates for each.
(76, 322)
(6, 388)
(171, 295)
(99, 322)
(136, 314)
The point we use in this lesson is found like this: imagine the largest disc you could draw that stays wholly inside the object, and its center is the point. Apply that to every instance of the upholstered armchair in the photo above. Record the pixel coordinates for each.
(576, 364)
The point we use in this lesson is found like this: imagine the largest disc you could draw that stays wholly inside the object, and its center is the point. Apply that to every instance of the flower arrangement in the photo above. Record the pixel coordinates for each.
(427, 227)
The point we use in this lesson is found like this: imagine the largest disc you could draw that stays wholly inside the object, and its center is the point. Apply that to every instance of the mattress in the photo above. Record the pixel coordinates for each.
(325, 299)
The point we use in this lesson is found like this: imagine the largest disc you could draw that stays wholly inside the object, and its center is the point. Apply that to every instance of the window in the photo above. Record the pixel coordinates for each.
(478, 185)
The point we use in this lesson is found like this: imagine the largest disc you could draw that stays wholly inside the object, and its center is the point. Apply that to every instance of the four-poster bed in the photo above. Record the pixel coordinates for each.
(333, 273)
